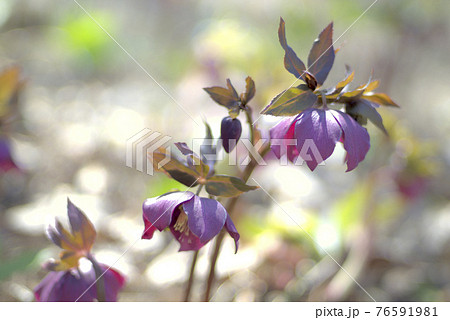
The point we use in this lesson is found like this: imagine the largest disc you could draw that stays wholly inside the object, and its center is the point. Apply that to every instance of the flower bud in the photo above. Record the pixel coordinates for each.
(230, 132)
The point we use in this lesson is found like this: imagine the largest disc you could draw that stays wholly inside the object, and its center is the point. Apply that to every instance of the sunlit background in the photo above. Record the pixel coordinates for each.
(387, 222)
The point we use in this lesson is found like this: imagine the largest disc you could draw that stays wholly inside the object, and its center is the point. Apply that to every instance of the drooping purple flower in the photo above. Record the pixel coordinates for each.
(70, 285)
(6, 161)
(193, 220)
(230, 132)
(316, 132)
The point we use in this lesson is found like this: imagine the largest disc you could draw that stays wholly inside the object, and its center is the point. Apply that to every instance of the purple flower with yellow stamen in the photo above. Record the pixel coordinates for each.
(324, 128)
(193, 220)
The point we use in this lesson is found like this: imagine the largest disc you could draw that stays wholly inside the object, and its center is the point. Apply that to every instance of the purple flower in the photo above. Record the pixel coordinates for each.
(70, 285)
(318, 131)
(6, 161)
(193, 220)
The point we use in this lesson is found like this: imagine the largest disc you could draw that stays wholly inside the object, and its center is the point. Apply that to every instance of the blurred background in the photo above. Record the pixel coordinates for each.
(77, 98)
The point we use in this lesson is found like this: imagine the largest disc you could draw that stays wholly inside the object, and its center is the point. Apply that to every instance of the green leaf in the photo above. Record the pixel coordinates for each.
(249, 91)
(19, 263)
(226, 186)
(291, 62)
(321, 56)
(365, 109)
(173, 168)
(222, 96)
(291, 102)
(380, 98)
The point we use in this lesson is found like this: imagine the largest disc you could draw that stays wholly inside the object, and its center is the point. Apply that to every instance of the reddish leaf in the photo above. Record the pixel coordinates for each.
(164, 162)
(249, 91)
(291, 62)
(232, 90)
(222, 96)
(193, 160)
(321, 56)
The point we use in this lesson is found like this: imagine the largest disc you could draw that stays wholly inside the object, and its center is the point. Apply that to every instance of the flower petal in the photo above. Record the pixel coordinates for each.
(70, 285)
(188, 240)
(316, 130)
(281, 131)
(149, 230)
(159, 211)
(231, 229)
(6, 161)
(206, 217)
(356, 139)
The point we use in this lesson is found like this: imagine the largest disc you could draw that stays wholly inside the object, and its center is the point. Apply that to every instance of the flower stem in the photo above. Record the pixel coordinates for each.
(190, 281)
(248, 113)
(324, 100)
(187, 292)
(230, 208)
(200, 187)
(100, 281)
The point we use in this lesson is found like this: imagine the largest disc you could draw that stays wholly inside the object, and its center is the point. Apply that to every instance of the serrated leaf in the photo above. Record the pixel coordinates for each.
(380, 98)
(250, 90)
(292, 63)
(164, 162)
(222, 96)
(291, 102)
(321, 56)
(227, 186)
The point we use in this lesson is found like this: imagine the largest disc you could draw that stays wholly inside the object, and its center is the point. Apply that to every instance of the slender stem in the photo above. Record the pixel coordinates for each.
(200, 187)
(100, 284)
(324, 100)
(187, 292)
(230, 208)
(248, 113)
(190, 281)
